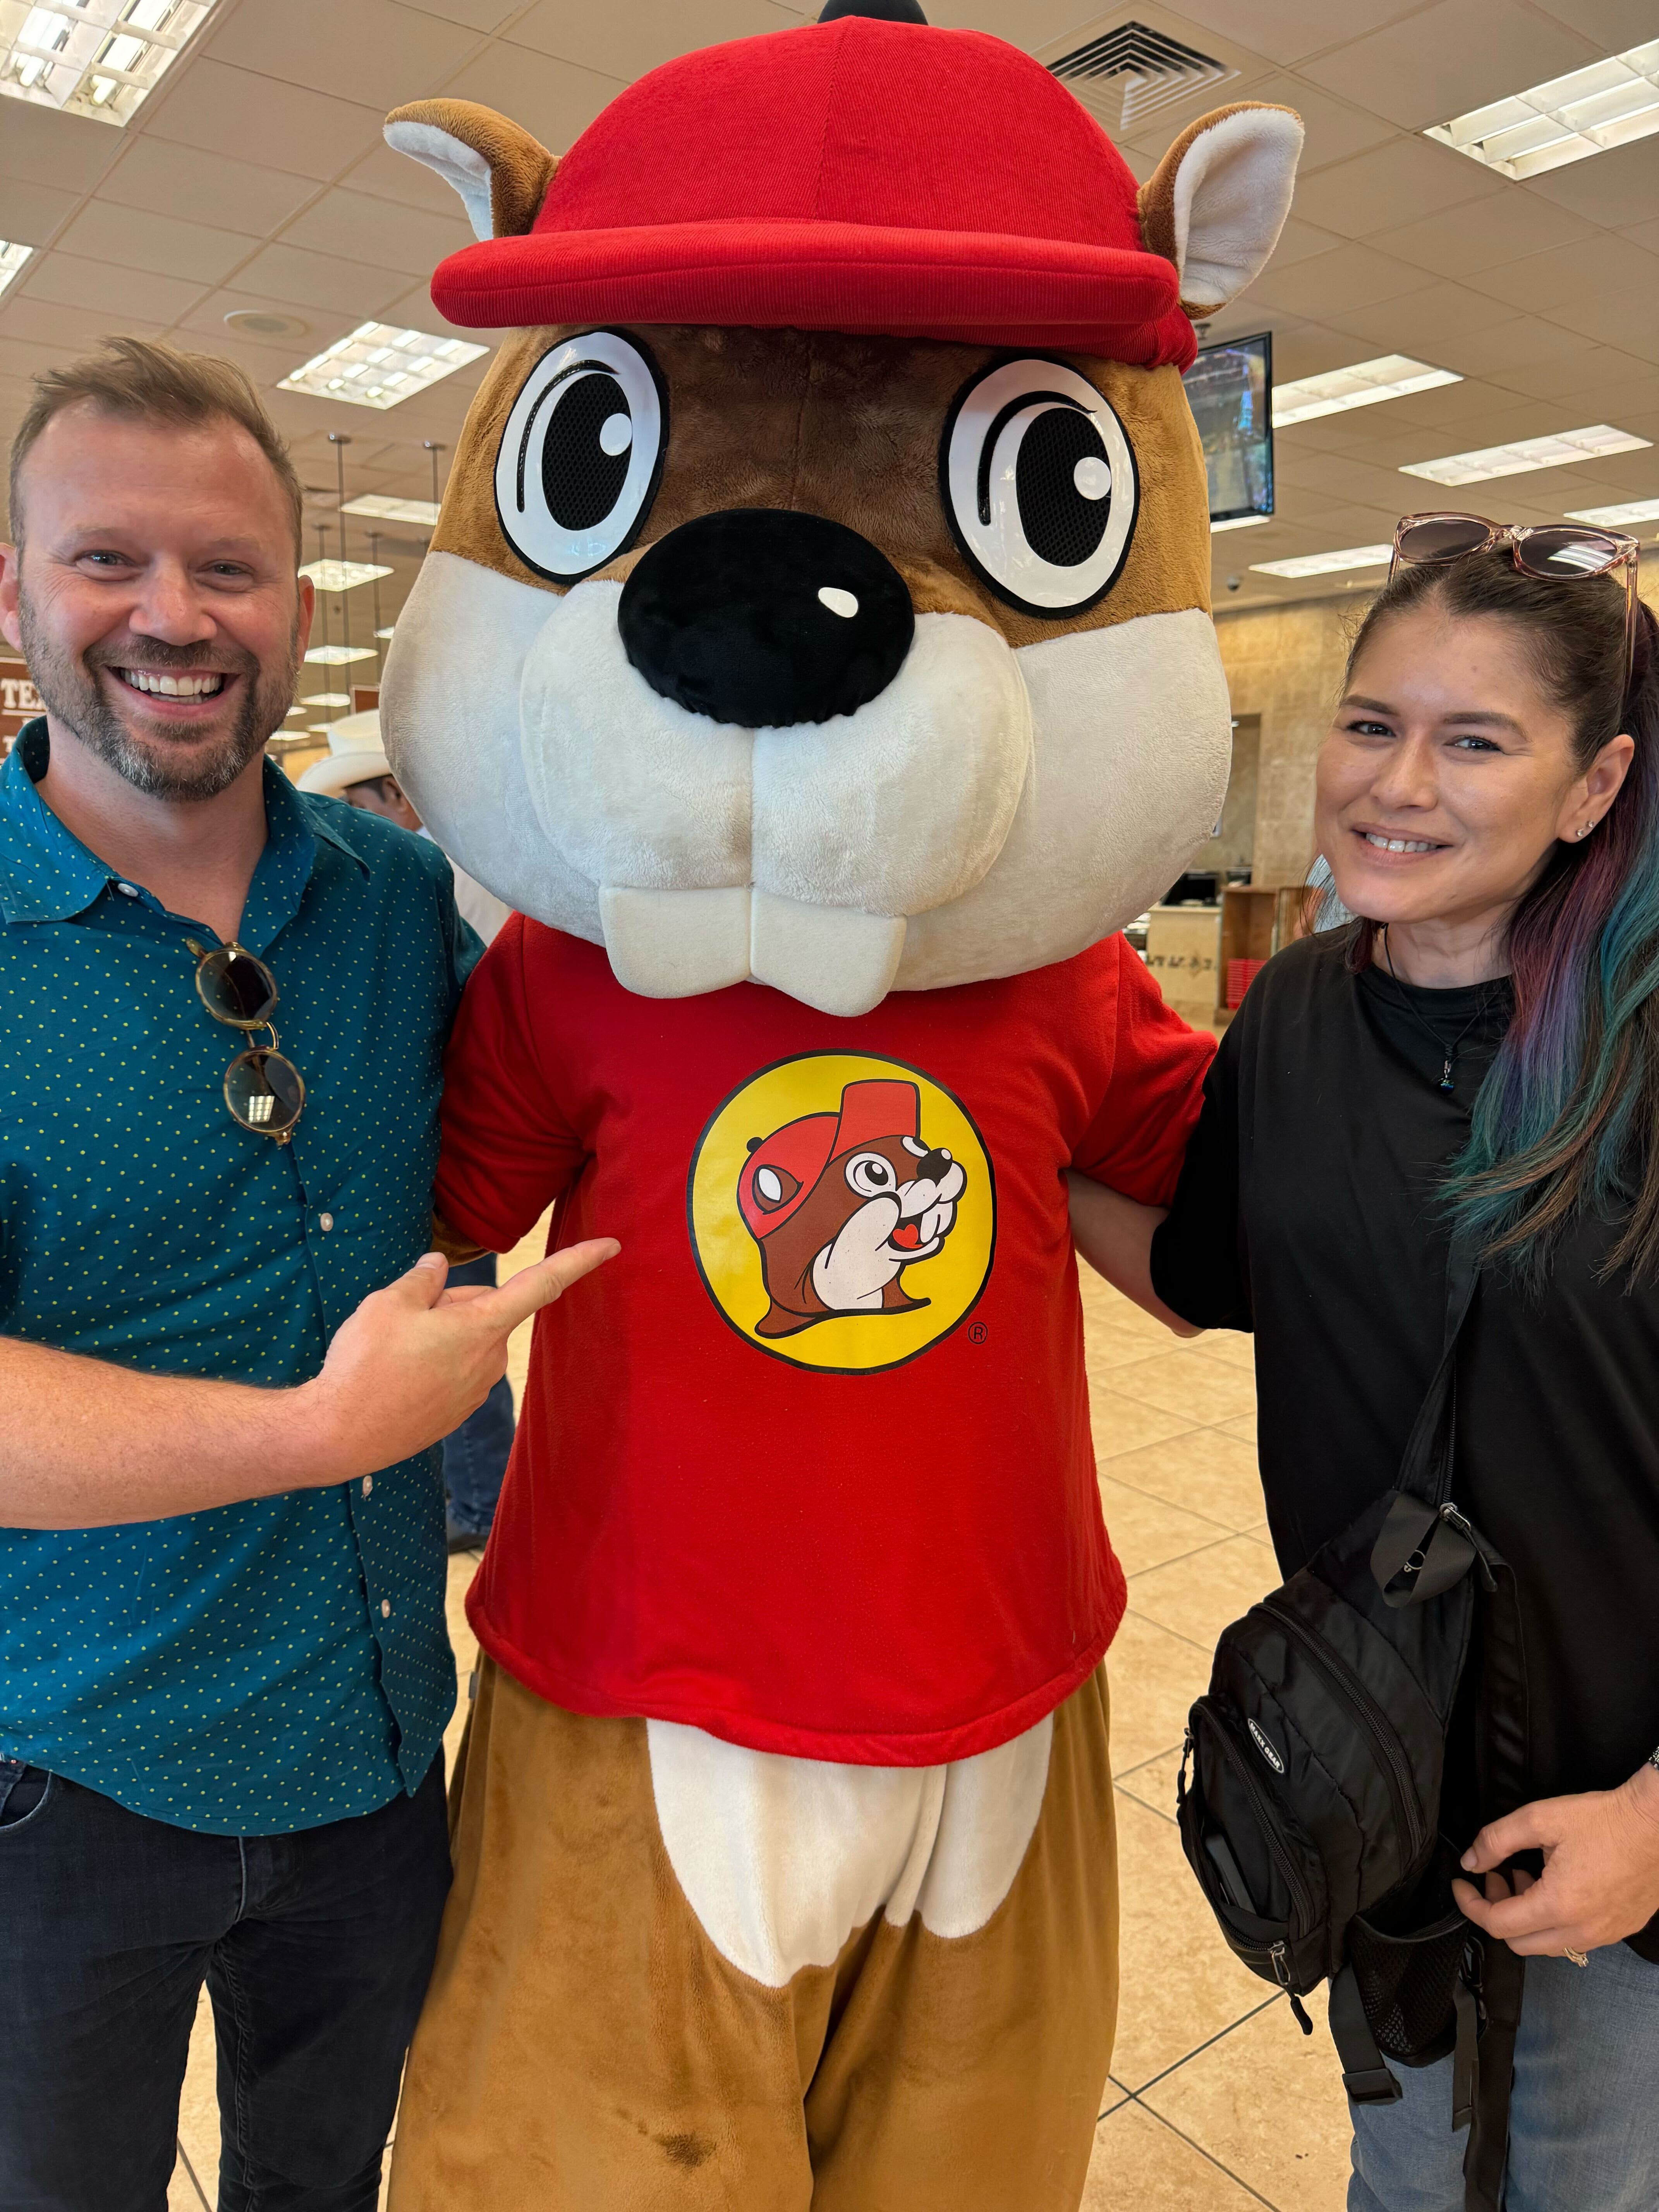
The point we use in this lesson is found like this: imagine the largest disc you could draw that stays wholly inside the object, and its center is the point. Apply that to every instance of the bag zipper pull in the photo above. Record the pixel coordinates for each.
(1280, 1958)
(1450, 1514)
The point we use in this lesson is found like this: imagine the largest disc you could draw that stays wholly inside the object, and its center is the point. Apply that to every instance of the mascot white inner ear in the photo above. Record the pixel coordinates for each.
(458, 164)
(1218, 200)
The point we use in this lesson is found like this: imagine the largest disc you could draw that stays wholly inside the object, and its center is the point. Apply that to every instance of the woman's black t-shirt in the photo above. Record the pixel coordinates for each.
(1307, 1212)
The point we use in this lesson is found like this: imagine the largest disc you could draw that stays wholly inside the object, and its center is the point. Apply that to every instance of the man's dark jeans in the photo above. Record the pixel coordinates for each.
(316, 1948)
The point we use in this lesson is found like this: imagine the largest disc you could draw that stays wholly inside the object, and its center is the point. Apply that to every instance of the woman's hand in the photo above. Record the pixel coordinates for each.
(1601, 1878)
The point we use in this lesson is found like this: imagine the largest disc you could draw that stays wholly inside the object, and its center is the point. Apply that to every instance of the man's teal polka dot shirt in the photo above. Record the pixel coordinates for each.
(274, 1665)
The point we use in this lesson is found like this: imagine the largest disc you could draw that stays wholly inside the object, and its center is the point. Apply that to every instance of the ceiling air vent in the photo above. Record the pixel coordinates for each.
(1130, 72)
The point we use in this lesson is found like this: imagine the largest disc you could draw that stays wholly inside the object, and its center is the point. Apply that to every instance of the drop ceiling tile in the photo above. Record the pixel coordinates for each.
(1449, 58)
(1629, 320)
(1285, 30)
(1613, 24)
(1309, 350)
(1351, 276)
(31, 213)
(1336, 131)
(22, 357)
(184, 180)
(350, 290)
(67, 330)
(370, 51)
(1584, 369)
(1539, 282)
(1300, 241)
(114, 292)
(42, 147)
(1340, 476)
(625, 42)
(1644, 234)
(1484, 234)
(136, 238)
(1406, 179)
(1444, 412)
(474, 14)
(1429, 324)
(555, 99)
(1028, 23)
(256, 119)
(359, 227)
(1522, 339)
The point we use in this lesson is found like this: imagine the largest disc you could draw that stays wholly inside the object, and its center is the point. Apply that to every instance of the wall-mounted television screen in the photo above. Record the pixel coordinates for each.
(1230, 389)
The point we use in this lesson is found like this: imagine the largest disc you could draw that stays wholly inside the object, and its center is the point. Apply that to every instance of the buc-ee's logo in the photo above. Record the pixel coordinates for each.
(842, 1211)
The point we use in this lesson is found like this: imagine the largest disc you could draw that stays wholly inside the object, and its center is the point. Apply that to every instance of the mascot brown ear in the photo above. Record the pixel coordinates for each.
(1218, 200)
(499, 171)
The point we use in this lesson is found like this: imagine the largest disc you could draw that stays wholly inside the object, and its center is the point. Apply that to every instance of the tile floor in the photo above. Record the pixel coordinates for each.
(1216, 2102)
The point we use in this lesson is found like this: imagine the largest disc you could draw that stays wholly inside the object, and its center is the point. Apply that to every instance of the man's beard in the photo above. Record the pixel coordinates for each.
(74, 696)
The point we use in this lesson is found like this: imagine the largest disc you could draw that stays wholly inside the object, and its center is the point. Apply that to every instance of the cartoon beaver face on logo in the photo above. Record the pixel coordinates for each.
(841, 1204)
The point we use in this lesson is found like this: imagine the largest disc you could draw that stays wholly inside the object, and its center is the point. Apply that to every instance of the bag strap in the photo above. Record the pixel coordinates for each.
(1424, 1546)
(1367, 2080)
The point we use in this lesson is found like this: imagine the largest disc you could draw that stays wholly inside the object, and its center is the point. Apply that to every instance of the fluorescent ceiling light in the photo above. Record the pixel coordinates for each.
(292, 711)
(324, 699)
(1567, 120)
(100, 59)
(12, 259)
(387, 632)
(336, 656)
(1391, 376)
(1326, 565)
(1239, 522)
(342, 575)
(379, 366)
(379, 508)
(1561, 451)
(1615, 518)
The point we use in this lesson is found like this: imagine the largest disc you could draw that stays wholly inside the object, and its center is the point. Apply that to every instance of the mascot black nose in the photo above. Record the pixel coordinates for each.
(764, 618)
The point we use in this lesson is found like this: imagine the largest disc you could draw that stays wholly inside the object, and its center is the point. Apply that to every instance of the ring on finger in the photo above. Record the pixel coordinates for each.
(1577, 1957)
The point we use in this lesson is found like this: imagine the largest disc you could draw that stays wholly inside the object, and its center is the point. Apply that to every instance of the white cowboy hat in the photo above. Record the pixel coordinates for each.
(355, 755)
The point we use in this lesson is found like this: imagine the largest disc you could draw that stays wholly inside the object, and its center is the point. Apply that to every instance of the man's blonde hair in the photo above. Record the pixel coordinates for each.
(144, 379)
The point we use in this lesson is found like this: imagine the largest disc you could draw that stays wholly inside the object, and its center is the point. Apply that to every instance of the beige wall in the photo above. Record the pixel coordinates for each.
(1285, 664)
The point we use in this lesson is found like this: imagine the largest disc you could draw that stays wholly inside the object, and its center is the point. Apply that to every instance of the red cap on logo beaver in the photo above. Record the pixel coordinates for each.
(781, 1169)
(849, 175)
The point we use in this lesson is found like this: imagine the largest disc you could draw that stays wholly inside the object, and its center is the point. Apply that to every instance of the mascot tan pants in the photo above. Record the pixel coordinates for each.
(679, 1974)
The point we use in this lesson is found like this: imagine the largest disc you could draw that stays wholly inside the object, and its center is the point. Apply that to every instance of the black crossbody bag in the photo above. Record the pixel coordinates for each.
(1311, 1786)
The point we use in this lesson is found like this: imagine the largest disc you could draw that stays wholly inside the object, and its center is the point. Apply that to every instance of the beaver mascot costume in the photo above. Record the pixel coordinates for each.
(815, 652)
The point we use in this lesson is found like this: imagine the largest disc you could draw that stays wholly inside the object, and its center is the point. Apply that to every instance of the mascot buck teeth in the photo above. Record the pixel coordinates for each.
(814, 650)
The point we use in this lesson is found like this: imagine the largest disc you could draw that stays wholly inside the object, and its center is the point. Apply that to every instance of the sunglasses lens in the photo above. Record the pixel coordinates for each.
(236, 988)
(265, 1091)
(1566, 553)
(1445, 538)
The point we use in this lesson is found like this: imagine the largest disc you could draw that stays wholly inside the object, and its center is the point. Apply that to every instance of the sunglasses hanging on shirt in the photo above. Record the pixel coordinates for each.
(264, 1090)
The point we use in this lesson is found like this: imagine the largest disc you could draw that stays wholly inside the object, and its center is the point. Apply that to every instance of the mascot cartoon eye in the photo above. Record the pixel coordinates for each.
(579, 460)
(871, 1175)
(1040, 486)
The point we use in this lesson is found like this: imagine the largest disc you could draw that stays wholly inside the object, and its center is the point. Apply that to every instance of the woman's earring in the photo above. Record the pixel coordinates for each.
(1585, 828)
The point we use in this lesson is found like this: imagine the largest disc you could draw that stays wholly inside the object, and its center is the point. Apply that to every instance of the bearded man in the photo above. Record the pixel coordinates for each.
(224, 1673)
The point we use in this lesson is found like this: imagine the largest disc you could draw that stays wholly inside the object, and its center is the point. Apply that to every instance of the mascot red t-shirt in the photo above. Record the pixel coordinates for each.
(819, 1479)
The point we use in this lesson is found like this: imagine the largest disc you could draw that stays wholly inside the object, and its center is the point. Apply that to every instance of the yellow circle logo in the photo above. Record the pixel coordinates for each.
(842, 1211)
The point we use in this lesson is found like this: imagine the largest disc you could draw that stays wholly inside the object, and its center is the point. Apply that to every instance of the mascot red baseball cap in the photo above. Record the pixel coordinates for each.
(857, 175)
(870, 1111)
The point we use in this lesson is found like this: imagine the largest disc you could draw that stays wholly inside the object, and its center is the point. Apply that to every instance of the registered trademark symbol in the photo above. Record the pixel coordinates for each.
(977, 1332)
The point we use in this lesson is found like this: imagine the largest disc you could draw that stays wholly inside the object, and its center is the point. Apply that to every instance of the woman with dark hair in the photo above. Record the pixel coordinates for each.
(1478, 1053)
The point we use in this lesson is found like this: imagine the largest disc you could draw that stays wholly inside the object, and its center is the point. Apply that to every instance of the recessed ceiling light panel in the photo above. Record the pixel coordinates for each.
(1568, 120)
(326, 698)
(336, 656)
(1326, 565)
(343, 575)
(1239, 522)
(1564, 450)
(422, 513)
(12, 259)
(1617, 517)
(378, 365)
(1391, 376)
(100, 59)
